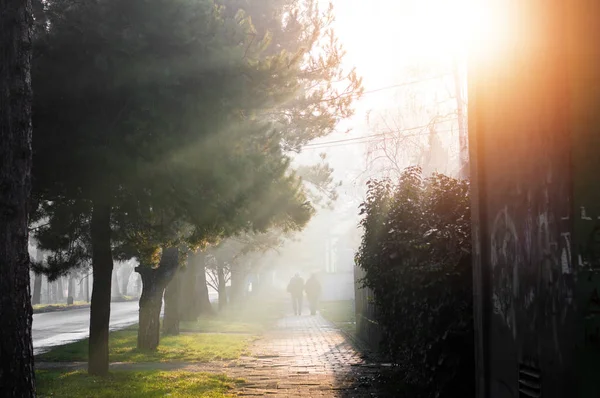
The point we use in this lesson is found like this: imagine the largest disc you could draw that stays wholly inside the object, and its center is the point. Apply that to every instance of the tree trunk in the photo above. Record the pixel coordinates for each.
(86, 288)
(60, 296)
(54, 292)
(222, 286)
(238, 285)
(16, 350)
(37, 289)
(154, 282)
(138, 286)
(102, 266)
(172, 307)
(188, 291)
(46, 291)
(194, 290)
(116, 292)
(204, 305)
(36, 298)
(127, 270)
(150, 306)
(70, 287)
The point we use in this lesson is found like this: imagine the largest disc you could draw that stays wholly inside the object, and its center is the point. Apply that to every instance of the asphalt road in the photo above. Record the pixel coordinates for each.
(61, 327)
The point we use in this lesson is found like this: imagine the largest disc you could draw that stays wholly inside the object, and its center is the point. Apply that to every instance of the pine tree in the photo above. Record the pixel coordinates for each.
(16, 350)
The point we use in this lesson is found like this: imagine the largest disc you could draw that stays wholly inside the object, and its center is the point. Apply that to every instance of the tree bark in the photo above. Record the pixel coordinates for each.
(36, 297)
(59, 290)
(70, 289)
(222, 286)
(238, 285)
(37, 289)
(46, 291)
(51, 292)
(126, 274)
(150, 306)
(154, 282)
(116, 292)
(172, 307)
(204, 305)
(194, 289)
(102, 266)
(16, 349)
(138, 286)
(80, 293)
(87, 289)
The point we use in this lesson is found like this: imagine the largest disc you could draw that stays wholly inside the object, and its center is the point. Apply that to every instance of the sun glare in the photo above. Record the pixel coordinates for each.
(443, 29)
(417, 31)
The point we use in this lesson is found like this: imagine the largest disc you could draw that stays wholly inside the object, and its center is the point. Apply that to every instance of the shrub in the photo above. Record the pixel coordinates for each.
(416, 253)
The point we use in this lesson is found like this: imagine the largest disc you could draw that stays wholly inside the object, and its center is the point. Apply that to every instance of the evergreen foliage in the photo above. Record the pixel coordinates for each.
(416, 251)
(161, 126)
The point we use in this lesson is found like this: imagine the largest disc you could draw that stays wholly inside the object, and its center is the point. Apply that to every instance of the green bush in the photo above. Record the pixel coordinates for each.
(416, 253)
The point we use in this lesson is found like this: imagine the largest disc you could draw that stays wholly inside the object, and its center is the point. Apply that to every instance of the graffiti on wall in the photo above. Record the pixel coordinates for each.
(589, 262)
(532, 271)
(504, 249)
(589, 251)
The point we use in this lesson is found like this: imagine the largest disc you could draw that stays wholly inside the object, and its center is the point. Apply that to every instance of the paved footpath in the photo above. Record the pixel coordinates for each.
(306, 356)
(302, 356)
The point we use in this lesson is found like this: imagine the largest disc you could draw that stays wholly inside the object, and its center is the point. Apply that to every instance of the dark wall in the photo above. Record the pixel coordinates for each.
(584, 108)
(367, 328)
(523, 213)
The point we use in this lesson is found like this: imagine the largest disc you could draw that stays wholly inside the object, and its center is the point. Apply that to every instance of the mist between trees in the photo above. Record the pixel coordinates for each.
(162, 136)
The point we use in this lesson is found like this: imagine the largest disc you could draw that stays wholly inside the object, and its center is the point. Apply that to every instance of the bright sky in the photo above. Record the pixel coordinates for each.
(392, 42)
(386, 40)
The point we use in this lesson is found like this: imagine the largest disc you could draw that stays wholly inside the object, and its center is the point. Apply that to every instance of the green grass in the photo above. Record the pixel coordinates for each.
(340, 313)
(57, 306)
(146, 384)
(222, 325)
(185, 347)
(254, 317)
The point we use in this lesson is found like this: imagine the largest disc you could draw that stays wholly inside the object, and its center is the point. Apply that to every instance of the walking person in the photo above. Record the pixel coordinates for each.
(296, 289)
(313, 292)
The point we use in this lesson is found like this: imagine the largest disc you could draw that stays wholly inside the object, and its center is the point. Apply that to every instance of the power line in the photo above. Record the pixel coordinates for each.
(383, 138)
(371, 136)
(410, 83)
(376, 90)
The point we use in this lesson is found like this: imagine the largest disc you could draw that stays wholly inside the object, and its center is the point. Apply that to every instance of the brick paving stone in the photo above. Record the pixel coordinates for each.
(304, 356)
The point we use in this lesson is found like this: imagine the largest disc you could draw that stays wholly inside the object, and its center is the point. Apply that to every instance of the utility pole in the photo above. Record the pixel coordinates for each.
(463, 141)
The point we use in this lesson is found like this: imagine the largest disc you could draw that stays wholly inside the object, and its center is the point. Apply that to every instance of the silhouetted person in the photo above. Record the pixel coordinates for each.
(296, 288)
(313, 292)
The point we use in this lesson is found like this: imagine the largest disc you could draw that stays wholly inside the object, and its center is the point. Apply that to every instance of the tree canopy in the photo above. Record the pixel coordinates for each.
(157, 110)
(168, 123)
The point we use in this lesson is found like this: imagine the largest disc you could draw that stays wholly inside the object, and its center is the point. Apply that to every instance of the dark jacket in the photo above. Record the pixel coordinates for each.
(296, 286)
(312, 288)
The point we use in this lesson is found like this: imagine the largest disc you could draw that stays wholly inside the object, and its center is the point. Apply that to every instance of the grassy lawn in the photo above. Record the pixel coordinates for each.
(42, 308)
(254, 317)
(340, 313)
(218, 324)
(65, 305)
(185, 347)
(146, 384)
